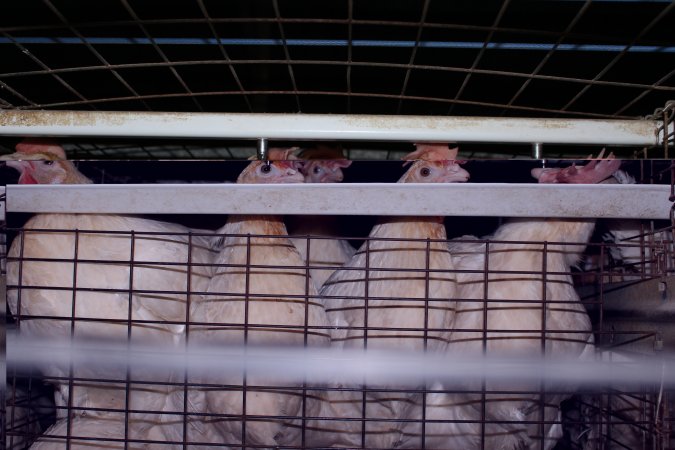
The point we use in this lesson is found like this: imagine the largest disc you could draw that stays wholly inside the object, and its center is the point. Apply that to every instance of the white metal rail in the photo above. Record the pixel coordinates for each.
(512, 200)
(466, 199)
(331, 127)
(326, 365)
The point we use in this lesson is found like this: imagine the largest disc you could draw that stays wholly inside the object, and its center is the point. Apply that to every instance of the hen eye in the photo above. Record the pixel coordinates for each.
(265, 168)
(317, 169)
(425, 172)
(48, 163)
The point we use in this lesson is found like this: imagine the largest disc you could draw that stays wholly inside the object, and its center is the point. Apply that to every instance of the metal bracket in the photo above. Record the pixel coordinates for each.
(665, 131)
(3, 203)
(262, 149)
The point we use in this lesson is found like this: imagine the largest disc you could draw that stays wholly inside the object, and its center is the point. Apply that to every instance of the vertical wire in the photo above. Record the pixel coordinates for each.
(420, 29)
(96, 53)
(427, 268)
(305, 338)
(161, 54)
(187, 339)
(427, 281)
(287, 54)
(500, 14)
(486, 280)
(18, 312)
(644, 414)
(601, 316)
(19, 291)
(10, 401)
(601, 416)
(247, 287)
(73, 313)
(350, 30)
(127, 386)
(643, 250)
(365, 342)
(33, 416)
(610, 395)
(226, 57)
(542, 387)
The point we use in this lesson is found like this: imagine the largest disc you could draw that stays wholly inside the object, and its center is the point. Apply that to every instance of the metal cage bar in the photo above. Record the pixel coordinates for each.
(331, 127)
(406, 199)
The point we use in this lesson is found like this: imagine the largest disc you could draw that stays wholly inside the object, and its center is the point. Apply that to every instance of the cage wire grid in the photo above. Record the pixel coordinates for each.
(598, 410)
(604, 414)
(576, 59)
(569, 59)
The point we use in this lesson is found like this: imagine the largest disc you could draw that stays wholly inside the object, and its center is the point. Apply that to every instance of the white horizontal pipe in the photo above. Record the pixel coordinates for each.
(409, 199)
(329, 127)
(325, 365)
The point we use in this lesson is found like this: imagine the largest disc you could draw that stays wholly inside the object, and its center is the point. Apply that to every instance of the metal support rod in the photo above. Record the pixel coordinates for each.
(641, 201)
(262, 149)
(2, 203)
(537, 150)
(330, 127)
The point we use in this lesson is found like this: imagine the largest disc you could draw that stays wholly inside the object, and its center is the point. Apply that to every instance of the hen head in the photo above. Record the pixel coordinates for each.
(435, 164)
(322, 164)
(43, 162)
(594, 172)
(279, 168)
(323, 170)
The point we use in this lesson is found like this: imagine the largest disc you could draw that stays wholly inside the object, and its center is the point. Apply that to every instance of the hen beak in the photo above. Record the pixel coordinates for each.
(10, 157)
(19, 156)
(19, 161)
(18, 165)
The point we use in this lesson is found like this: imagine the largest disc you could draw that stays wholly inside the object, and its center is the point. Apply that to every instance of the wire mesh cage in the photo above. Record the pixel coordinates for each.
(399, 304)
(142, 372)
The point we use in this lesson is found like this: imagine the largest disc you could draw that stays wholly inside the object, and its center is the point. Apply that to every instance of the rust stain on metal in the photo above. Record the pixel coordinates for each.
(77, 118)
(170, 117)
(46, 118)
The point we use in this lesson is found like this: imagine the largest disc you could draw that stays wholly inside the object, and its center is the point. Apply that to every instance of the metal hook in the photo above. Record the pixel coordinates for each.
(262, 149)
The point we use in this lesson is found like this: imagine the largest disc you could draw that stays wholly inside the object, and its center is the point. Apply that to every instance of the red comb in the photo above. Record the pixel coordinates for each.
(44, 146)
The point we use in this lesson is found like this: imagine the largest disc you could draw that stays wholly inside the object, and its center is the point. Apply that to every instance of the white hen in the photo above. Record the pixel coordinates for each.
(519, 323)
(322, 164)
(126, 269)
(260, 294)
(384, 298)
(635, 244)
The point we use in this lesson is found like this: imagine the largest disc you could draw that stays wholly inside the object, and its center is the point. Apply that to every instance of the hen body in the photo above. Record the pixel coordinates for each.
(116, 277)
(387, 278)
(90, 433)
(531, 308)
(260, 294)
(322, 164)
